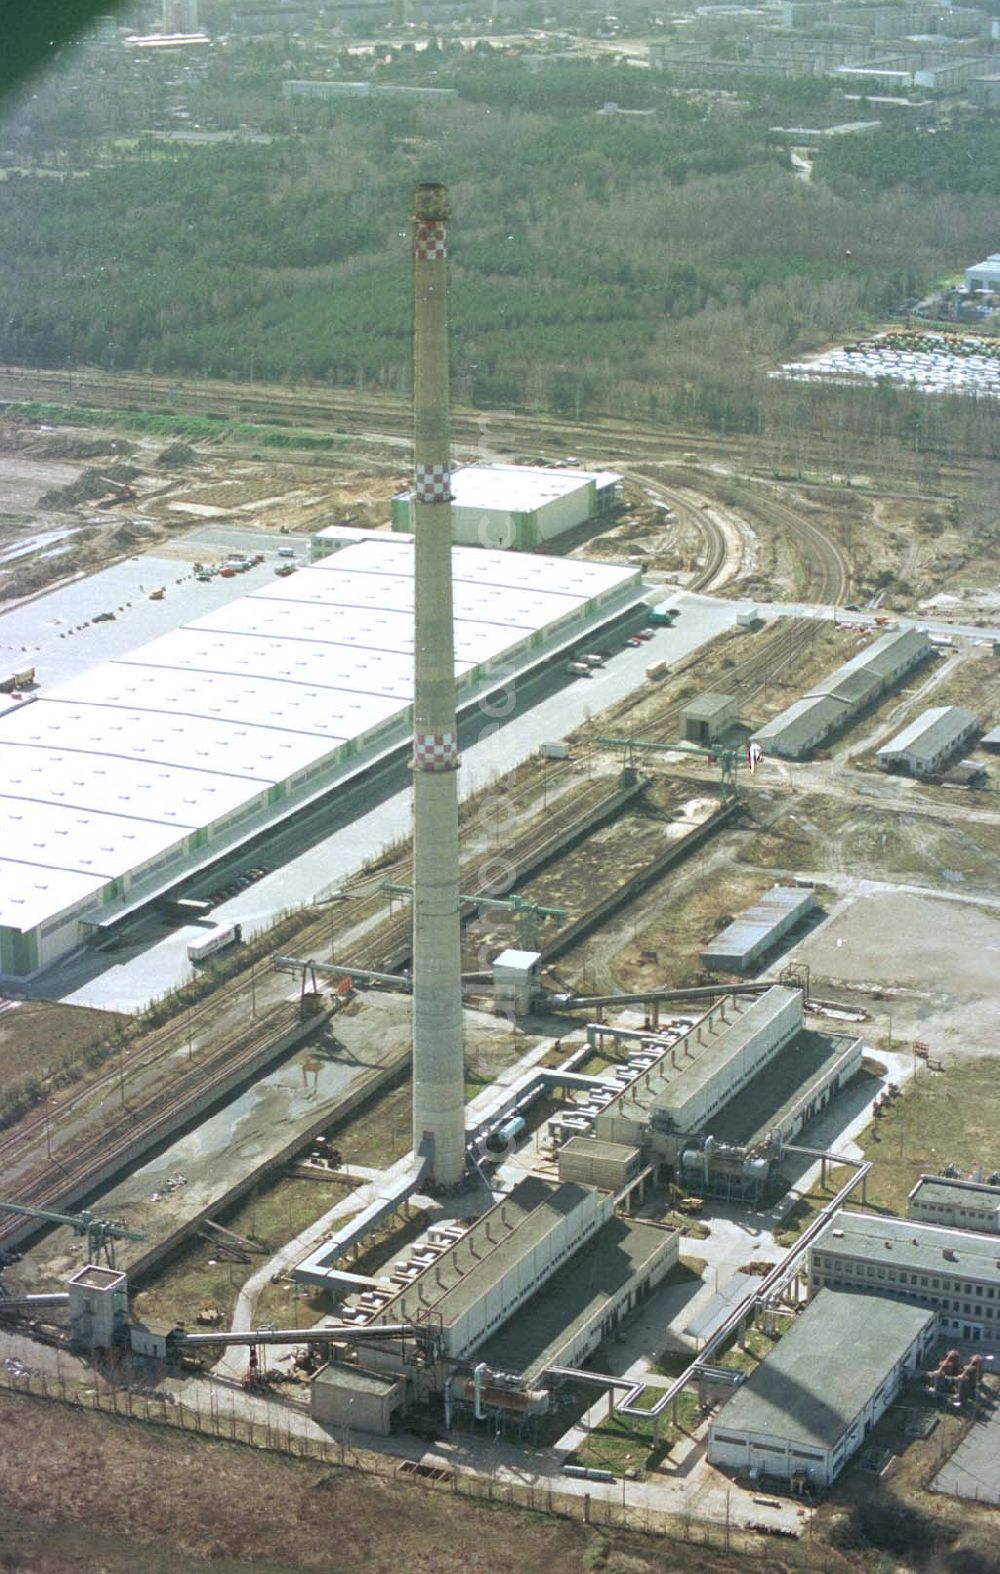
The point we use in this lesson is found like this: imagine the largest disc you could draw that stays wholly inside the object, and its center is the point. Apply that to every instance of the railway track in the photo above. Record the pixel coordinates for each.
(378, 941)
(106, 1146)
(342, 411)
(158, 1045)
(829, 570)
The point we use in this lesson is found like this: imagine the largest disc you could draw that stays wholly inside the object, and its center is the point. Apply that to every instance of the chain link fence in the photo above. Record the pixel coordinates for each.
(276, 1432)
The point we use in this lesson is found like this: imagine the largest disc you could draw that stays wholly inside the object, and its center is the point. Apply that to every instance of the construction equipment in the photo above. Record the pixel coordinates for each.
(725, 758)
(101, 1233)
(121, 492)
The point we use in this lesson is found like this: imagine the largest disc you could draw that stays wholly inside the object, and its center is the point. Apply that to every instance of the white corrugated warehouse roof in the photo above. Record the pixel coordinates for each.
(519, 488)
(114, 770)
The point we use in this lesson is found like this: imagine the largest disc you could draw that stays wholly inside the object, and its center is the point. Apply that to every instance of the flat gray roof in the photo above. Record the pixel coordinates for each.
(593, 1276)
(939, 1188)
(596, 1148)
(704, 706)
(336, 1375)
(912, 1243)
(784, 1083)
(822, 1373)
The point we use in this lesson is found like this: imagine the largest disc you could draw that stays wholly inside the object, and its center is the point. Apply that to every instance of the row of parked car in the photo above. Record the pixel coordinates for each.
(239, 563)
(584, 664)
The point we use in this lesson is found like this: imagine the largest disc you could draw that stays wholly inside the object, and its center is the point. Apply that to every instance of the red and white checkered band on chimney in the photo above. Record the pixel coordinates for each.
(430, 243)
(432, 483)
(435, 751)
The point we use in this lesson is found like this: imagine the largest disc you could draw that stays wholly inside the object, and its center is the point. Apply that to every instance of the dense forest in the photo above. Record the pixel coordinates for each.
(659, 264)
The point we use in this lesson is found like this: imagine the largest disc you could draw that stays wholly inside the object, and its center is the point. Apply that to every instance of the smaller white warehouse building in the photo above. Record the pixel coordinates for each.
(810, 1405)
(926, 745)
(958, 1204)
(984, 275)
(519, 506)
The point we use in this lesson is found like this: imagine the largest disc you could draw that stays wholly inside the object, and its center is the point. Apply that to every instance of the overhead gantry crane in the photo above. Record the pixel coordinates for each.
(725, 757)
(101, 1233)
(527, 914)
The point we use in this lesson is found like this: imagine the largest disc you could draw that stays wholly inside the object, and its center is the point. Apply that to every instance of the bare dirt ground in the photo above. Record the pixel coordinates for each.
(53, 483)
(84, 1493)
(37, 1039)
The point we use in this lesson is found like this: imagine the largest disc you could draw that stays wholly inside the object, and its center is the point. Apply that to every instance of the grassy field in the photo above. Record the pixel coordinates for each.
(943, 1117)
(621, 1443)
(202, 1275)
(947, 1117)
(756, 1347)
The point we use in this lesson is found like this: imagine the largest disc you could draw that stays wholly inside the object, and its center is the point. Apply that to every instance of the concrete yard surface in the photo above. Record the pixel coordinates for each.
(973, 1471)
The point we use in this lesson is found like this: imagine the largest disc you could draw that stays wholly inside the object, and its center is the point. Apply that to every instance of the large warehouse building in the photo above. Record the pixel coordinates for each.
(519, 506)
(117, 785)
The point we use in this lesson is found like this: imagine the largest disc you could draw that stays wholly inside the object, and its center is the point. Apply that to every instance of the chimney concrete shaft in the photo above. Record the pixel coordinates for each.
(438, 1059)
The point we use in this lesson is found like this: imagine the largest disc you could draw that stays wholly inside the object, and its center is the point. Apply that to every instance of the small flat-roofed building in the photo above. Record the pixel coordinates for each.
(519, 506)
(927, 744)
(953, 1272)
(708, 716)
(756, 932)
(812, 1402)
(609, 1165)
(351, 1397)
(98, 1306)
(957, 1204)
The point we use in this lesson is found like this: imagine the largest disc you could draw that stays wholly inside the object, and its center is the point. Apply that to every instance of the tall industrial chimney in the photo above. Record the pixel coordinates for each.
(438, 1060)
